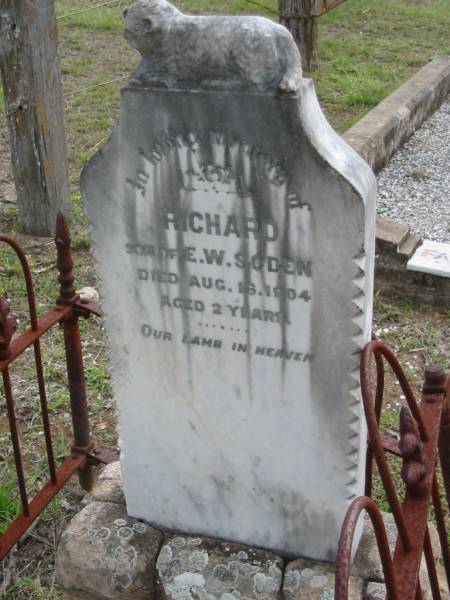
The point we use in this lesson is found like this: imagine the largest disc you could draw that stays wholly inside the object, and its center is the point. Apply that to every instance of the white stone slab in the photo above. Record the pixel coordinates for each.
(431, 257)
(234, 238)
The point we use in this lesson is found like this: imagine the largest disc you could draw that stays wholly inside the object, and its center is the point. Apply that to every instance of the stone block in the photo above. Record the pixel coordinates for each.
(408, 247)
(441, 577)
(191, 568)
(390, 234)
(375, 591)
(367, 562)
(311, 580)
(88, 293)
(109, 486)
(106, 555)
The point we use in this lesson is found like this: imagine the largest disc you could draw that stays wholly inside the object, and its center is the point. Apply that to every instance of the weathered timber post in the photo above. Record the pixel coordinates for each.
(30, 73)
(301, 17)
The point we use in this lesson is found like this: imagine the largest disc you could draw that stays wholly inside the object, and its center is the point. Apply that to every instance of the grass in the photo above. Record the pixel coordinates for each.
(31, 588)
(10, 506)
(366, 50)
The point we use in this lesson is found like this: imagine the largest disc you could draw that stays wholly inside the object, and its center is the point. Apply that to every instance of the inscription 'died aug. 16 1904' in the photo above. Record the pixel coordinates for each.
(212, 259)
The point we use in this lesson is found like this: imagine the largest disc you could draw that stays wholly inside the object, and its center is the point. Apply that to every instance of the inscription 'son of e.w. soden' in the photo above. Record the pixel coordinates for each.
(216, 245)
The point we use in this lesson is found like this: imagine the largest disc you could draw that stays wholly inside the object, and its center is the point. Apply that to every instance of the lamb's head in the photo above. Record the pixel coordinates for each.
(145, 19)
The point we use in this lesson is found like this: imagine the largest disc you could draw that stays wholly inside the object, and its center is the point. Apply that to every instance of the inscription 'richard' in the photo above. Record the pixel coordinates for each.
(214, 224)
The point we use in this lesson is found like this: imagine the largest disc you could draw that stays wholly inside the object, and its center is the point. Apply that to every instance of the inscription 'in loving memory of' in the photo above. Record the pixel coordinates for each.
(258, 272)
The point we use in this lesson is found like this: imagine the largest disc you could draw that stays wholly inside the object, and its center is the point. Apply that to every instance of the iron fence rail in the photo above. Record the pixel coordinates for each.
(325, 5)
(84, 452)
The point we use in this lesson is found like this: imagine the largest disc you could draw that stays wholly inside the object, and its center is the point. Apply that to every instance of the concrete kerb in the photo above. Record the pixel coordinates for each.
(376, 137)
(387, 126)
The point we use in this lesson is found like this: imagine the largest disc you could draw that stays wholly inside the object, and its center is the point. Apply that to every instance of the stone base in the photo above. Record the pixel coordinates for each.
(105, 554)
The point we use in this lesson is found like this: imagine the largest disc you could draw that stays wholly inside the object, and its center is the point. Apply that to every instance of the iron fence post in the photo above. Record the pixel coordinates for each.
(83, 443)
(436, 382)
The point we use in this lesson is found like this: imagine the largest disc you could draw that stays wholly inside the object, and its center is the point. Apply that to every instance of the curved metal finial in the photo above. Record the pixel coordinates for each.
(64, 262)
(8, 326)
(413, 470)
(27, 276)
(435, 380)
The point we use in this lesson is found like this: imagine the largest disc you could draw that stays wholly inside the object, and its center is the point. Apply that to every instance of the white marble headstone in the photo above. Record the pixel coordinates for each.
(234, 236)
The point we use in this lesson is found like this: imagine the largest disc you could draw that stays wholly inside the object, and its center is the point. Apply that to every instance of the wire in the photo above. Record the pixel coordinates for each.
(91, 87)
(266, 8)
(80, 12)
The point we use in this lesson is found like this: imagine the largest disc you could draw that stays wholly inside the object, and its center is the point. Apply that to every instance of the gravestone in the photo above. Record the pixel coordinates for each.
(233, 232)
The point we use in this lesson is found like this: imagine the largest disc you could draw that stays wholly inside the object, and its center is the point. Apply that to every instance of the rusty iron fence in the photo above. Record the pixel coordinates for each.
(85, 453)
(324, 6)
(424, 448)
(305, 8)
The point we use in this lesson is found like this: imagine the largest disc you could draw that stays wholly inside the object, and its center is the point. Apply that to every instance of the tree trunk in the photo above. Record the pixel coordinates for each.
(302, 20)
(31, 80)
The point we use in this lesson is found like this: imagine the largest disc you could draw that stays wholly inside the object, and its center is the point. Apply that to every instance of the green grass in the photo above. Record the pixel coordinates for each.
(10, 506)
(10, 503)
(31, 588)
(366, 50)
(105, 18)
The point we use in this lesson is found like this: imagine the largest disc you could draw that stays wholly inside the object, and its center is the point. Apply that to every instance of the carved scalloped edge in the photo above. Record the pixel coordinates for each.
(354, 405)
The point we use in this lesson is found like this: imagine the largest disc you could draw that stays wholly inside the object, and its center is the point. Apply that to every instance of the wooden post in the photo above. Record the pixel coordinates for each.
(301, 17)
(31, 80)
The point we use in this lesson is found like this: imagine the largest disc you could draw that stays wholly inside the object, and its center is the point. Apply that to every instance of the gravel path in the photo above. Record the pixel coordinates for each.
(414, 188)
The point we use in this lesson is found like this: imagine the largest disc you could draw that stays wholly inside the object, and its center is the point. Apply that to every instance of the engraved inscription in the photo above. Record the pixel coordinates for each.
(216, 246)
